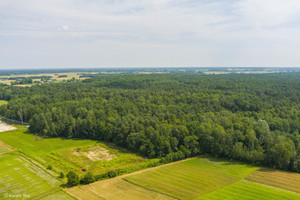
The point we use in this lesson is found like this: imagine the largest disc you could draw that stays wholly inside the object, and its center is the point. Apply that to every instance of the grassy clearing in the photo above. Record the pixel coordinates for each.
(115, 188)
(97, 158)
(71, 154)
(181, 181)
(19, 176)
(223, 166)
(246, 190)
(276, 178)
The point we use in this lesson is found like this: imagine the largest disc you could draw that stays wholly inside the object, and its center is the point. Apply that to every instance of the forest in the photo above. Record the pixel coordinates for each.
(253, 118)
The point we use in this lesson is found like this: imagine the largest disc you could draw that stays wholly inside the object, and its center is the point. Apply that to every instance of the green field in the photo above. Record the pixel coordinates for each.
(208, 178)
(246, 190)
(71, 154)
(19, 176)
(185, 180)
(223, 166)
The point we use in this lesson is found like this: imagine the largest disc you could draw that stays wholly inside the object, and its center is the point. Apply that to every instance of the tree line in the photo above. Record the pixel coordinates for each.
(252, 118)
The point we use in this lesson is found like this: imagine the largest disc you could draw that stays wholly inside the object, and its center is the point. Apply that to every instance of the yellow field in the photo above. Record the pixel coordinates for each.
(286, 180)
(115, 188)
(55, 76)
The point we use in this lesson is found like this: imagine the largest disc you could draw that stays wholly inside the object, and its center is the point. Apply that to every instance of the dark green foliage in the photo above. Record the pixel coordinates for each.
(61, 175)
(49, 167)
(73, 179)
(87, 178)
(252, 118)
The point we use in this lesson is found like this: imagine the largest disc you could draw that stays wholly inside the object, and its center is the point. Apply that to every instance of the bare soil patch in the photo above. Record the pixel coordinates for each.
(95, 153)
(5, 127)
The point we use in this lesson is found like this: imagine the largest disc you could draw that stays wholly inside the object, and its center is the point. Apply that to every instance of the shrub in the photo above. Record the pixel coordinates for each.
(87, 178)
(49, 167)
(73, 179)
(61, 175)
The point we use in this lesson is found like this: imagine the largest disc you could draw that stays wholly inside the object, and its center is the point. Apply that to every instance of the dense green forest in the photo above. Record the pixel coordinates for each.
(252, 118)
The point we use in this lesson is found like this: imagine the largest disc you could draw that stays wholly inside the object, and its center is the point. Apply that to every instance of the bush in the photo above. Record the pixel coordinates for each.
(87, 178)
(73, 179)
(62, 175)
(49, 167)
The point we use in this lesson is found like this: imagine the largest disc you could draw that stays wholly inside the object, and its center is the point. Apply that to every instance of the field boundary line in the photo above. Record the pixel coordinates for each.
(45, 194)
(156, 167)
(33, 162)
(149, 189)
(270, 186)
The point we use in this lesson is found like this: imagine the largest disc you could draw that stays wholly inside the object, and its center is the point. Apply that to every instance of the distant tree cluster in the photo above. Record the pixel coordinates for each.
(22, 81)
(252, 118)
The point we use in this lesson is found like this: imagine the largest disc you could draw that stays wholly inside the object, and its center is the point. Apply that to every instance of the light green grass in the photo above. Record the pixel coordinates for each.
(60, 195)
(66, 160)
(60, 152)
(230, 168)
(181, 181)
(33, 145)
(20, 176)
(246, 190)
(3, 102)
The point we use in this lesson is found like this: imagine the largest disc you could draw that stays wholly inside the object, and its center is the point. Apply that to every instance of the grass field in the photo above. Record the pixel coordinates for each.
(286, 180)
(213, 178)
(246, 190)
(115, 189)
(223, 166)
(71, 154)
(187, 180)
(20, 176)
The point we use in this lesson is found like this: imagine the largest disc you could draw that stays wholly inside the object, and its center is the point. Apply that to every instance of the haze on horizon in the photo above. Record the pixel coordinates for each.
(149, 33)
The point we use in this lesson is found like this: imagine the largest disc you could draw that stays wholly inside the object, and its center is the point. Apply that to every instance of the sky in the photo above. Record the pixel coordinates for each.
(149, 33)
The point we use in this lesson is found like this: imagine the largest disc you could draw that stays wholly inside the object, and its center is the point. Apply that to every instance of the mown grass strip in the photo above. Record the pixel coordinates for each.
(246, 190)
(285, 180)
(181, 181)
(227, 167)
(20, 177)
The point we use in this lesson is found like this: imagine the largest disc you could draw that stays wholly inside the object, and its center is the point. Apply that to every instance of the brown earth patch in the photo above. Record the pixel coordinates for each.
(5, 127)
(95, 153)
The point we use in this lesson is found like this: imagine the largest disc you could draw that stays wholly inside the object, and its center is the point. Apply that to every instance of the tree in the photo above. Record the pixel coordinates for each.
(61, 175)
(87, 178)
(73, 179)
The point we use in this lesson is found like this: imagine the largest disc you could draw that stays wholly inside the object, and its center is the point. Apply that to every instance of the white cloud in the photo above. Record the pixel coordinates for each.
(216, 29)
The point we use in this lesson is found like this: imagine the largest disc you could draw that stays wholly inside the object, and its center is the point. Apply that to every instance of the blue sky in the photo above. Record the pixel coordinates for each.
(149, 33)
